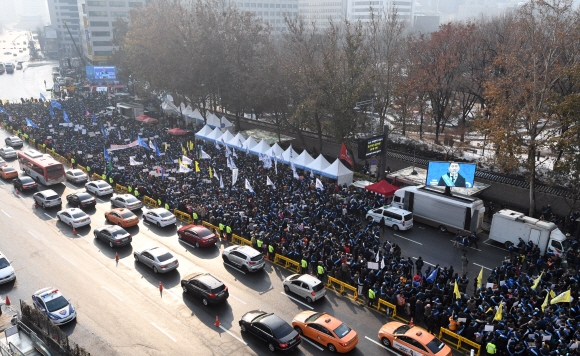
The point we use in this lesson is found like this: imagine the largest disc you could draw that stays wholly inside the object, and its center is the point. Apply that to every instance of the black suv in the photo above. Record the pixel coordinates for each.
(205, 286)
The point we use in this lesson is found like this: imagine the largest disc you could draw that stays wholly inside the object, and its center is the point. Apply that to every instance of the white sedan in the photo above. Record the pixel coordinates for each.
(99, 188)
(160, 217)
(126, 201)
(6, 270)
(76, 175)
(74, 217)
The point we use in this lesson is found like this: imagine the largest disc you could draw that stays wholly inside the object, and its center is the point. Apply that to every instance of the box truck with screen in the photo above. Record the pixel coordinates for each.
(455, 212)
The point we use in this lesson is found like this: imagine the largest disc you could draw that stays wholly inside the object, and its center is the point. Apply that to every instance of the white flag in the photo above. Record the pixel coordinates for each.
(311, 173)
(151, 145)
(276, 164)
(228, 151)
(132, 162)
(217, 145)
(221, 182)
(234, 176)
(232, 164)
(186, 160)
(234, 153)
(269, 182)
(215, 175)
(294, 171)
(383, 263)
(183, 169)
(205, 155)
(319, 184)
(377, 257)
(249, 187)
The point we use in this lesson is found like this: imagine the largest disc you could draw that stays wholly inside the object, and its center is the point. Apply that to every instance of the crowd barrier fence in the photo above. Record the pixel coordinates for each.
(457, 341)
(180, 215)
(149, 202)
(287, 263)
(342, 287)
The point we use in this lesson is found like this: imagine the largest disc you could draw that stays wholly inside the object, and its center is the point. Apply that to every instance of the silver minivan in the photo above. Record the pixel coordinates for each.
(47, 198)
(396, 218)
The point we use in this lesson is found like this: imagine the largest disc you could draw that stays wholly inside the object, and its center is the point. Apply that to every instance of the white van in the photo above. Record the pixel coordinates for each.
(396, 218)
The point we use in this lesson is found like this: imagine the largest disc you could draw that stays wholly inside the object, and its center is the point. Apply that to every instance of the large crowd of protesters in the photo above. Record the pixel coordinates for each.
(322, 228)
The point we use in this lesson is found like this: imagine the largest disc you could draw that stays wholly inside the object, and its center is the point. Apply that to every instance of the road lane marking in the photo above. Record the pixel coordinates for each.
(311, 343)
(164, 332)
(489, 269)
(237, 269)
(5, 213)
(421, 227)
(172, 294)
(297, 301)
(20, 196)
(100, 201)
(430, 264)
(383, 346)
(234, 336)
(30, 232)
(238, 299)
(125, 264)
(69, 261)
(418, 243)
(2, 182)
(50, 217)
(113, 294)
(187, 243)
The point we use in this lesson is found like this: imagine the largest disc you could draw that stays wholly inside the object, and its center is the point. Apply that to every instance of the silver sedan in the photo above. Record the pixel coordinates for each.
(126, 201)
(157, 258)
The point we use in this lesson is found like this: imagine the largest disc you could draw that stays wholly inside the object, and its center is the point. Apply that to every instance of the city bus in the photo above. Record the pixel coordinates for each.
(41, 167)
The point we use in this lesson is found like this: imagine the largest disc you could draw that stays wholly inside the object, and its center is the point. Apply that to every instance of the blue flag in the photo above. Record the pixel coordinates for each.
(94, 119)
(163, 174)
(106, 153)
(51, 112)
(42, 97)
(157, 152)
(65, 116)
(104, 132)
(55, 104)
(2, 111)
(142, 143)
(31, 124)
(433, 276)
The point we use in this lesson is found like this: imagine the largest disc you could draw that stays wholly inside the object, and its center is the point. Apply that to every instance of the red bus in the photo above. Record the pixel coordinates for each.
(41, 167)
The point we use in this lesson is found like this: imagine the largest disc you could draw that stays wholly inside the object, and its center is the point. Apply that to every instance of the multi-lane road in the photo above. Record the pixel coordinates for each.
(120, 308)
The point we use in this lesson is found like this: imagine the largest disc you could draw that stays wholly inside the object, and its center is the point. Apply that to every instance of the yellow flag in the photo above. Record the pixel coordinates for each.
(480, 278)
(545, 304)
(456, 290)
(498, 315)
(165, 146)
(179, 161)
(196, 167)
(562, 298)
(210, 173)
(552, 294)
(191, 145)
(537, 281)
(184, 150)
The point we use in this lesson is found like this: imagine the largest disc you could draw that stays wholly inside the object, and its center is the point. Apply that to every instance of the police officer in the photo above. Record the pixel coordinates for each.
(129, 189)
(259, 243)
(320, 271)
(304, 265)
(104, 177)
(89, 172)
(229, 232)
(111, 182)
(271, 251)
(195, 218)
(72, 162)
(490, 348)
(136, 193)
(222, 227)
(372, 295)
(158, 202)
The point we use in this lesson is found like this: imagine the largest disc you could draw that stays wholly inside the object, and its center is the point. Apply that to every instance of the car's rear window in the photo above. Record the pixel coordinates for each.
(256, 258)
(26, 180)
(218, 289)
(318, 287)
(164, 257)
(9, 169)
(282, 330)
(204, 232)
(435, 345)
(79, 215)
(408, 217)
(342, 331)
(78, 173)
(56, 168)
(119, 232)
(165, 214)
(84, 196)
(132, 200)
(127, 215)
(52, 197)
(102, 185)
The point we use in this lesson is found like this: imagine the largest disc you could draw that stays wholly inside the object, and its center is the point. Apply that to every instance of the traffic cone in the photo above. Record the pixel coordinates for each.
(117, 256)
(74, 231)
(160, 286)
(7, 300)
(17, 191)
(217, 320)
(411, 323)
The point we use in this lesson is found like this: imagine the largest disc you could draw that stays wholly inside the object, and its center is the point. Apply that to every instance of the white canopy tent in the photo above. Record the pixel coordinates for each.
(288, 153)
(237, 141)
(338, 171)
(249, 143)
(318, 165)
(275, 150)
(213, 120)
(204, 132)
(226, 122)
(215, 134)
(169, 108)
(226, 137)
(303, 160)
(261, 147)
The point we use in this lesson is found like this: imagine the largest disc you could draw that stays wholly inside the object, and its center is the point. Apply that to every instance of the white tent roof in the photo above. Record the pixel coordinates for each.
(195, 114)
(187, 111)
(318, 165)
(338, 171)
(261, 147)
(237, 141)
(204, 132)
(303, 160)
(249, 143)
(169, 107)
(226, 122)
(286, 154)
(275, 150)
(227, 136)
(215, 134)
(213, 120)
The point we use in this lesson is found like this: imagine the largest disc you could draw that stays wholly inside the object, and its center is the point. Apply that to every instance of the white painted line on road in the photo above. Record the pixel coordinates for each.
(187, 243)
(5, 213)
(237, 269)
(100, 201)
(311, 343)
(2, 182)
(234, 336)
(172, 294)
(20, 196)
(50, 217)
(146, 223)
(421, 227)
(430, 264)
(113, 294)
(163, 331)
(69, 261)
(38, 238)
(418, 243)
(238, 299)
(126, 264)
(383, 346)
(297, 301)
(489, 269)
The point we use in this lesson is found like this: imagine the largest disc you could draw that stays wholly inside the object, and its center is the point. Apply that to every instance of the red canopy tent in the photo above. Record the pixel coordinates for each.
(141, 117)
(383, 188)
(150, 120)
(177, 132)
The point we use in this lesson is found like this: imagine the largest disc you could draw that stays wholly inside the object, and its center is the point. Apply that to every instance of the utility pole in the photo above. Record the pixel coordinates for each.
(383, 165)
(75, 44)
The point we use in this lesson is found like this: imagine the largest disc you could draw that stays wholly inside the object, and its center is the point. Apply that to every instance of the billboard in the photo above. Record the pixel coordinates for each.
(98, 73)
(451, 174)
(370, 146)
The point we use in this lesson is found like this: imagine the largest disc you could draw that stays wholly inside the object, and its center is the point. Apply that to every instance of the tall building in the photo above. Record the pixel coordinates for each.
(321, 12)
(65, 11)
(271, 11)
(362, 10)
(97, 20)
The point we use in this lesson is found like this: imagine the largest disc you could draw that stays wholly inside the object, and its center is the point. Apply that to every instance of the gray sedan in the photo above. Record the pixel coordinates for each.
(126, 201)
(157, 258)
(113, 235)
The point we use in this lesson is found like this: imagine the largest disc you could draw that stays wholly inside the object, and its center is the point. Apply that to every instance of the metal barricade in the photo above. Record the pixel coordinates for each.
(342, 287)
(457, 341)
(212, 227)
(389, 308)
(238, 240)
(120, 189)
(287, 263)
(97, 177)
(180, 215)
(149, 202)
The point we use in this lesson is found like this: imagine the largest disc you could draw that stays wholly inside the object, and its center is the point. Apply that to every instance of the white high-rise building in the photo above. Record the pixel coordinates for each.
(61, 11)
(271, 11)
(363, 9)
(322, 12)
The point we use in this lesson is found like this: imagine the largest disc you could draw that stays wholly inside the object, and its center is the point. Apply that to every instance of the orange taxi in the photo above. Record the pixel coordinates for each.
(122, 217)
(325, 330)
(8, 172)
(412, 340)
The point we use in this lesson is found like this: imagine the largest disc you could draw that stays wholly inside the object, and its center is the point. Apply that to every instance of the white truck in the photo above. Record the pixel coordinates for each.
(455, 212)
(509, 226)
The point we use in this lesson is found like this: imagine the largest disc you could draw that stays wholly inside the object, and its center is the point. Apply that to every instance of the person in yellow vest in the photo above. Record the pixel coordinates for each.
(222, 227)
(72, 162)
(320, 271)
(166, 206)
(137, 193)
(271, 252)
(372, 296)
(195, 218)
(304, 265)
(89, 173)
(259, 243)
(111, 182)
(44, 147)
(26, 136)
(158, 202)
(490, 348)
(129, 189)
(104, 176)
(229, 232)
